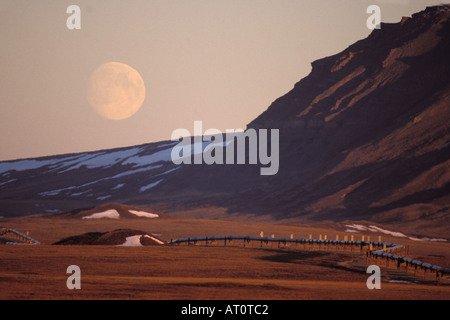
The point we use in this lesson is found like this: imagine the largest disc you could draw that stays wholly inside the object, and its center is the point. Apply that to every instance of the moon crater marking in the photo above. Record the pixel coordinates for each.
(116, 91)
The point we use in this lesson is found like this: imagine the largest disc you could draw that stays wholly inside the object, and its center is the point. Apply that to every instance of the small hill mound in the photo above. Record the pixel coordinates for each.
(119, 237)
(112, 211)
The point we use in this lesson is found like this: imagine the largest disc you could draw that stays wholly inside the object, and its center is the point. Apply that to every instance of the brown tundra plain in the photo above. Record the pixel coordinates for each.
(213, 271)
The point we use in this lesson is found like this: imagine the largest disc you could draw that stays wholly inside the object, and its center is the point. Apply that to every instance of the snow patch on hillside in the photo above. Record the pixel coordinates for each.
(139, 161)
(144, 214)
(133, 241)
(111, 214)
(22, 165)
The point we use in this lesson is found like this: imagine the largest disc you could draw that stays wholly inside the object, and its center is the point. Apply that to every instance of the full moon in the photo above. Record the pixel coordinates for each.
(116, 91)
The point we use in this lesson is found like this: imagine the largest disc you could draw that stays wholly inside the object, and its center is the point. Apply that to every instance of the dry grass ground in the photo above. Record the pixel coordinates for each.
(200, 272)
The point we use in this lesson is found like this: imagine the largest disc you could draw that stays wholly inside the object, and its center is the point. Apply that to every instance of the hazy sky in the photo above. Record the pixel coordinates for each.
(219, 61)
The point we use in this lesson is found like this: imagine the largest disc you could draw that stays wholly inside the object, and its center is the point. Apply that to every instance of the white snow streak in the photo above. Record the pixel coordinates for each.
(111, 214)
(149, 186)
(144, 214)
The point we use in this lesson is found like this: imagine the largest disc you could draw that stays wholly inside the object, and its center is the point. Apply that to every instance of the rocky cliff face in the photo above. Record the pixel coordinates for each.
(367, 132)
(405, 61)
(364, 136)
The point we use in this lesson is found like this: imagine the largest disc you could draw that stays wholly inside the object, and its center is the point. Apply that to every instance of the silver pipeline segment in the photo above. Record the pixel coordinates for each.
(280, 240)
(383, 248)
(24, 237)
(384, 253)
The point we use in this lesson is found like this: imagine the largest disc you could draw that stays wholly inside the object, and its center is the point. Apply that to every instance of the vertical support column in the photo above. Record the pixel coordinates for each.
(261, 236)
